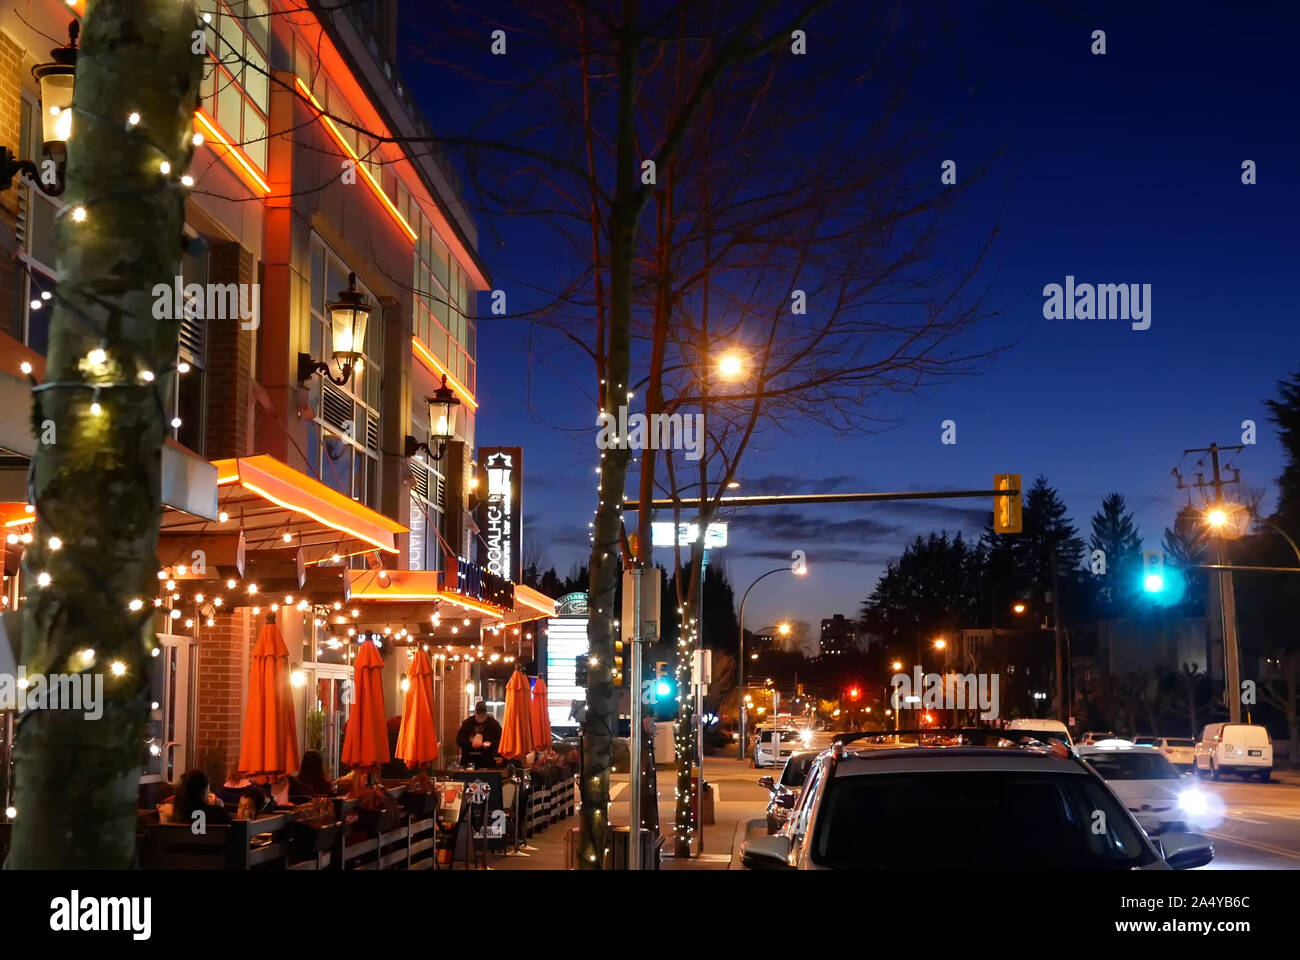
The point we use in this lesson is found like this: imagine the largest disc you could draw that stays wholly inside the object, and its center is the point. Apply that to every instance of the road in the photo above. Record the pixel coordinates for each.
(1254, 826)
(1260, 825)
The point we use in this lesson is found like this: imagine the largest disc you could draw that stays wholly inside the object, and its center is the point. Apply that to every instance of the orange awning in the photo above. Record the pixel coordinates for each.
(415, 586)
(267, 499)
(417, 742)
(270, 739)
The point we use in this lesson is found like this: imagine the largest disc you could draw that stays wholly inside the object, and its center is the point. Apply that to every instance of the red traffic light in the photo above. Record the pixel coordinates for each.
(853, 693)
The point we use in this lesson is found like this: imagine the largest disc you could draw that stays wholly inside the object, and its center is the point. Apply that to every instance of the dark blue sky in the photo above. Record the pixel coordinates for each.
(1123, 168)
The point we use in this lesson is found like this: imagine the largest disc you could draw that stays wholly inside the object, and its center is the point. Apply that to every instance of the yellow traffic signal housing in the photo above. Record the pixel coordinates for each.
(618, 663)
(1006, 509)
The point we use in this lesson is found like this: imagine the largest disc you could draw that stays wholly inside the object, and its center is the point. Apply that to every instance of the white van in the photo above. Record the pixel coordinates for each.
(1242, 748)
(774, 746)
(1043, 729)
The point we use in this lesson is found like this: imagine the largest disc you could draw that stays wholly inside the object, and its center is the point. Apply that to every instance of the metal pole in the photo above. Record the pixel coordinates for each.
(699, 698)
(634, 739)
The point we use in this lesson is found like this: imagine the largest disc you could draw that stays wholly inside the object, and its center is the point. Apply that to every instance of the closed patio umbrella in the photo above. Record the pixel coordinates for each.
(516, 727)
(417, 742)
(365, 743)
(269, 745)
(540, 715)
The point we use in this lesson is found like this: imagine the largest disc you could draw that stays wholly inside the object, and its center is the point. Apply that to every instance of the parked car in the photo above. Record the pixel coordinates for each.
(1046, 729)
(1155, 792)
(992, 804)
(1241, 748)
(785, 791)
(774, 745)
(1180, 751)
(1096, 736)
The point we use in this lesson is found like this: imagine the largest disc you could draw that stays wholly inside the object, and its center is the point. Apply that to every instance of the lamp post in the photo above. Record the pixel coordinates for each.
(442, 424)
(349, 315)
(56, 80)
(740, 685)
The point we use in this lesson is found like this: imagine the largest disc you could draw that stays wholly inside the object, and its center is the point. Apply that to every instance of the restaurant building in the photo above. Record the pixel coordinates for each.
(303, 473)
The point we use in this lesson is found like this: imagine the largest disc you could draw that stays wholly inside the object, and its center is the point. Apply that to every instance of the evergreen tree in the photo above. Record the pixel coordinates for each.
(1285, 412)
(1115, 534)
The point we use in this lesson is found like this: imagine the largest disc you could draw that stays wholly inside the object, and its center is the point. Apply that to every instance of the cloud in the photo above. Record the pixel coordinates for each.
(826, 555)
(787, 483)
(932, 513)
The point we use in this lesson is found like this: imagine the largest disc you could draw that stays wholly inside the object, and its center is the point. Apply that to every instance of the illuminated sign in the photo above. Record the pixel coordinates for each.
(566, 640)
(499, 513)
(715, 536)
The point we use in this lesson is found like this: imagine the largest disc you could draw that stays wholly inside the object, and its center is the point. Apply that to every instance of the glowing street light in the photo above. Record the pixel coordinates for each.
(730, 365)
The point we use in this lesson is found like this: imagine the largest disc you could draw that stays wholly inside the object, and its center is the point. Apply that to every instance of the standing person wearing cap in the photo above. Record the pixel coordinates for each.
(478, 739)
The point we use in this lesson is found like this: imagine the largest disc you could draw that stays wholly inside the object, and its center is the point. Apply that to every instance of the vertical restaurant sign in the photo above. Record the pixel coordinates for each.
(500, 512)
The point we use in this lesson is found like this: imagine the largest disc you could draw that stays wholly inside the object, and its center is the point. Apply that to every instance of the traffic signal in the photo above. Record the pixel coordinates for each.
(854, 693)
(1153, 571)
(618, 663)
(580, 671)
(1006, 510)
(664, 691)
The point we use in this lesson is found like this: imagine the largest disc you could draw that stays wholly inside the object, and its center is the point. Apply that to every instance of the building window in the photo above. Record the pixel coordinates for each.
(236, 84)
(343, 442)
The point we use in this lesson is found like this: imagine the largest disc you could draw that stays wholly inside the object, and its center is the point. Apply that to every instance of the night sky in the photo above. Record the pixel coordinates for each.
(1123, 168)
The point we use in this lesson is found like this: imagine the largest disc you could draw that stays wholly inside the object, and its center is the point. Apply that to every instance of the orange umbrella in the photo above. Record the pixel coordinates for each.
(417, 743)
(516, 732)
(365, 743)
(270, 741)
(540, 716)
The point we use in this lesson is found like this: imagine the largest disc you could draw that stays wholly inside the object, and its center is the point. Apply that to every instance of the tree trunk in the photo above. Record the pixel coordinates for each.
(684, 738)
(97, 486)
(604, 565)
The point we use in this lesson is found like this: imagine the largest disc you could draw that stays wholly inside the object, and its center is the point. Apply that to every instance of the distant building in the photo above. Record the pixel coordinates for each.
(838, 636)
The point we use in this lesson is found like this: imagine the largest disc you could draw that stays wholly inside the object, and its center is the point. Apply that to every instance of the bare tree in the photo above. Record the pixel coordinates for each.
(95, 480)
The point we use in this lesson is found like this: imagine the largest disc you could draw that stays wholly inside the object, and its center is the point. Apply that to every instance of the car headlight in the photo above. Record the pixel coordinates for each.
(806, 737)
(1192, 802)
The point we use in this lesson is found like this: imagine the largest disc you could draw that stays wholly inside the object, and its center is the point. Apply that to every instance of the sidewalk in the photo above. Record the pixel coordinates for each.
(734, 824)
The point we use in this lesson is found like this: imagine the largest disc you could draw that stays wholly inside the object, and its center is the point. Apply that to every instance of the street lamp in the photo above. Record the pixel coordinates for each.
(799, 571)
(56, 80)
(730, 365)
(1018, 608)
(442, 424)
(349, 315)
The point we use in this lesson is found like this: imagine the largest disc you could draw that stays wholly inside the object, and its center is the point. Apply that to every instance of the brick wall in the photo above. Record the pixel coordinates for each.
(230, 361)
(225, 651)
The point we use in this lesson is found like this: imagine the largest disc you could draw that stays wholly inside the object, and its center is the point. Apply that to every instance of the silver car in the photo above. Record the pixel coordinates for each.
(785, 791)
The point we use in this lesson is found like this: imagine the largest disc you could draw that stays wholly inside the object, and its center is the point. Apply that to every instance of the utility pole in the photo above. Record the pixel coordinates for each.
(1063, 704)
(1227, 598)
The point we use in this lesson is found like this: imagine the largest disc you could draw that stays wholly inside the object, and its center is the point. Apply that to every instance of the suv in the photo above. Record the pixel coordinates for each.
(1180, 751)
(1096, 736)
(1242, 748)
(989, 803)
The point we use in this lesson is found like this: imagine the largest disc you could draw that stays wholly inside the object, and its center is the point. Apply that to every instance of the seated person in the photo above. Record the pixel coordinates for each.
(192, 794)
(311, 780)
(479, 738)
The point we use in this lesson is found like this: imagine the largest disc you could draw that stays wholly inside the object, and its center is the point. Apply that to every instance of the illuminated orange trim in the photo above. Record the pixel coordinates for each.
(212, 131)
(538, 601)
(441, 369)
(310, 492)
(469, 604)
(297, 508)
(374, 186)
